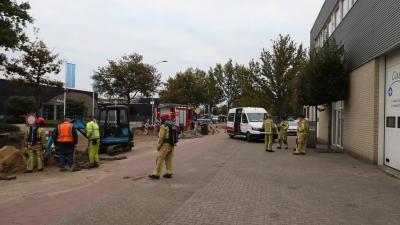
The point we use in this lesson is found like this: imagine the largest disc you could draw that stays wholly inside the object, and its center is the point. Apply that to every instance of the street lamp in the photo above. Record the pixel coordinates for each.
(152, 100)
(152, 111)
(163, 61)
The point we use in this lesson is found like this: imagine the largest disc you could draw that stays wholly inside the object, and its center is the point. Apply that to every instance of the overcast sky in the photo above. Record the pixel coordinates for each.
(187, 33)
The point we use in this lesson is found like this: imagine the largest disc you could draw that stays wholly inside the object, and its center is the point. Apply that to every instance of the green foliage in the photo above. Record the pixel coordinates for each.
(222, 110)
(127, 77)
(75, 108)
(324, 79)
(13, 19)
(188, 87)
(5, 128)
(17, 106)
(215, 94)
(226, 78)
(250, 92)
(280, 69)
(33, 68)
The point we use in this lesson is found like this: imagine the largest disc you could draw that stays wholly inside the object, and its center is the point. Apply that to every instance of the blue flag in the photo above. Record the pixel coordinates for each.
(70, 76)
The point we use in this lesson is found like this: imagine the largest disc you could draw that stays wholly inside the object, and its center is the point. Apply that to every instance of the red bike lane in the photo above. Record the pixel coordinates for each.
(42, 209)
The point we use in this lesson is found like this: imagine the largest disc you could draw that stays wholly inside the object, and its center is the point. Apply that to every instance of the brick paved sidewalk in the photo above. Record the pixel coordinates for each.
(235, 182)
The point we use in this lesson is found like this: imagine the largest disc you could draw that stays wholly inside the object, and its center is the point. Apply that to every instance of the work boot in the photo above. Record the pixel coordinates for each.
(303, 153)
(167, 175)
(92, 165)
(154, 177)
(40, 170)
(270, 150)
(96, 164)
(63, 170)
(28, 171)
(296, 153)
(278, 147)
(286, 148)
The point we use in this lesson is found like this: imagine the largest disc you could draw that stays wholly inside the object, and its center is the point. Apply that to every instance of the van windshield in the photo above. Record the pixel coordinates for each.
(256, 117)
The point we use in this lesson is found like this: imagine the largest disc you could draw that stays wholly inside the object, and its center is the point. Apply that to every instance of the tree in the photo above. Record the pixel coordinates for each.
(215, 94)
(17, 106)
(127, 77)
(324, 78)
(34, 67)
(13, 18)
(250, 91)
(280, 68)
(227, 81)
(188, 87)
(222, 110)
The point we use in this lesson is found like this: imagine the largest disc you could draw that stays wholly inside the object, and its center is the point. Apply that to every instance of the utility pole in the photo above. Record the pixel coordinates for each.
(152, 111)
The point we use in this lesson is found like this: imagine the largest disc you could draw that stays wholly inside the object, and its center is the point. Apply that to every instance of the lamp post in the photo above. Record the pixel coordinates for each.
(152, 111)
(163, 61)
(152, 100)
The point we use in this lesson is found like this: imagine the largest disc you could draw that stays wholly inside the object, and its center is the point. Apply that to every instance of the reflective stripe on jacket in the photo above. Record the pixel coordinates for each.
(284, 126)
(65, 132)
(38, 138)
(92, 130)
(163, 136)
(268, 125)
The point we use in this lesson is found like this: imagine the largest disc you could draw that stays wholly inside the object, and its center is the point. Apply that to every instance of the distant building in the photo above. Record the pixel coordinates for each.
(52, 98)
(140, 109)
(367, 123)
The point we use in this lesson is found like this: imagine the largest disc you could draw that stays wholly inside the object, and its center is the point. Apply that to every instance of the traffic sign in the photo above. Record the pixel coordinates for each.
(197, 111)
(30, 119)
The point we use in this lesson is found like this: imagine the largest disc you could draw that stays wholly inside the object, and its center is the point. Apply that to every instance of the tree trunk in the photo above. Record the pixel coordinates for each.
(329, 107)
(38, 98)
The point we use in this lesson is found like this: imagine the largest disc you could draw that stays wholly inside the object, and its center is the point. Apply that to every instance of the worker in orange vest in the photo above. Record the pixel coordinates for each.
(65, 139)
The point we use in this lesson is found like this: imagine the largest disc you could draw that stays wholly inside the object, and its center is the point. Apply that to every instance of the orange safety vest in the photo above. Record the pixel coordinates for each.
(65, 132)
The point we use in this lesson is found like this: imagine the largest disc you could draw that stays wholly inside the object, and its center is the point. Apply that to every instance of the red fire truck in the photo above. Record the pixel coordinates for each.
(181, 115)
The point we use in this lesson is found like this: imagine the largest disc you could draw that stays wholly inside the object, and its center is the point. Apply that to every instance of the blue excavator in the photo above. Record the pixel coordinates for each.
(116, 135)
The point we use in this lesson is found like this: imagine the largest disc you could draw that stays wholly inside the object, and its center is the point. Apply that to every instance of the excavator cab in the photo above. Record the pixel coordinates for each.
(115, 133)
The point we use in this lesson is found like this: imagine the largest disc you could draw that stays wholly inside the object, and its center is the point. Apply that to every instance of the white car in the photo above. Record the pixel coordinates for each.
(292, 131)
(246, 122)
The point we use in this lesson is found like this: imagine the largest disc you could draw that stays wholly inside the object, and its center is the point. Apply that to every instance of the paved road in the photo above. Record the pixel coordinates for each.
(223, 181)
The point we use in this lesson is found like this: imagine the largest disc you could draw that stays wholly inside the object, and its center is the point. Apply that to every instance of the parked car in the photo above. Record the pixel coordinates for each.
(247, 122)
(204, 119)
(292, 127)
(215, 119)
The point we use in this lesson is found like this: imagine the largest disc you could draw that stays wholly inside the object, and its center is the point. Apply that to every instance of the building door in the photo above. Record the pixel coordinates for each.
(337, 124)
(392, 111)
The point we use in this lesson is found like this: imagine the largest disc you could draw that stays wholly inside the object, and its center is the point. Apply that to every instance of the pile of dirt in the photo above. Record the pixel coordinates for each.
(12, 160)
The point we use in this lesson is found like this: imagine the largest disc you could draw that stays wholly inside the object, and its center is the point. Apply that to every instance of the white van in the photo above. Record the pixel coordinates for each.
(246, 122)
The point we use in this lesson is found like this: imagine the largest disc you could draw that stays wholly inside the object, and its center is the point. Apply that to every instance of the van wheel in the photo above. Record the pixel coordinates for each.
(248, 137)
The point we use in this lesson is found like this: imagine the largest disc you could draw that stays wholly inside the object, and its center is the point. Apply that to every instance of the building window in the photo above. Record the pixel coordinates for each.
(345, 5)
(332, 25)
(391, 122)
(338, 16)
(337, 123)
